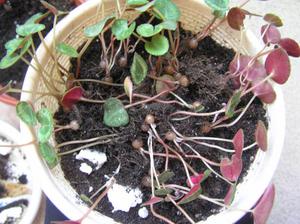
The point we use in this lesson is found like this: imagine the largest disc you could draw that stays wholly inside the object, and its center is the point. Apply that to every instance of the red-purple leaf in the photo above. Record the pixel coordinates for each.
(268, 98)
(153, 201)
(273, 19)
(257, 70)
(270, 34)
(238, 143)
(235, 18)
(238, 64)
(291, 47)
(264, 206)
(198, 179)
(261, 136)
(278, 64)
(71, 97)
(264, 91)
(231, 169)
(191, 195)
(230, 195)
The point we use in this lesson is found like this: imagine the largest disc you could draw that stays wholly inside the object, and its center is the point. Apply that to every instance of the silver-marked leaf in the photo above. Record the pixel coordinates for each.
(159, 45)
(115, 114)
(67, 50)
(44, 133)
(121, 30)
(233, 103)
(138, 69)
(25, 113)
(45, 117)
(48, 153)
(163, 192)
(192, 195)
(167, 10)
(29, 29)
(94, 30)
(148, 30)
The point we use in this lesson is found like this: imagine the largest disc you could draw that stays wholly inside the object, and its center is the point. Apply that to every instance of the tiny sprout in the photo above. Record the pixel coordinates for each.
(193, 43)
(184, 81)
(146, 181)
(74, 125)
(137, 143)
(122, 62)
(108, 79)
(169, 70)
(196, 105)
(170, 136)
(102, 64)
(177, 76)
(149, 119)
(145, 127)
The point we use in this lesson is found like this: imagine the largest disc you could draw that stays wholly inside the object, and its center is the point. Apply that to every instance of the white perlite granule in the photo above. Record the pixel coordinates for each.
(123, 198)
(5, 150)
(11, 213)
(85, 168)
(143, 212)
(95, 157)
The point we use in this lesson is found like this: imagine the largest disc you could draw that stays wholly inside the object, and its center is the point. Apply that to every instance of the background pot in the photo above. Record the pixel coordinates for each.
(195, 15)
(35, 212)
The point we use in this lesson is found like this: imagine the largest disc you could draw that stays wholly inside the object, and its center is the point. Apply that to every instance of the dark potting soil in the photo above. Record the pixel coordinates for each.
(20, 11)
(206, 68)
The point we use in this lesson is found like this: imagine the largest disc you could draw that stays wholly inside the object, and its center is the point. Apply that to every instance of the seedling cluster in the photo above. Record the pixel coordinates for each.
(160, 38)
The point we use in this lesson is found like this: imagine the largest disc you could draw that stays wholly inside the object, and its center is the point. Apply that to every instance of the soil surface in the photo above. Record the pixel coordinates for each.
(206, 69)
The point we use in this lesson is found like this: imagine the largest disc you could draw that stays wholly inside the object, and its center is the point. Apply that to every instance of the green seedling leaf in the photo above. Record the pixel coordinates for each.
(233, 103)
(121, 30)
(169, 25)
(273, 19)
(128, 87)
(219, 13)
(67, 50)
(35, 18)
(159, 45)
(144, 8)
(192, 195)
(138, 69)
(9, 60)
(165, 176)
(86, 199)
(44, 133)
(26, 114)
(163, 192)
(115, 114)
(48, 153)
(136, 2)
(148, 30)
(45, 118)
(94, 30)
(29, 29)
(218, 5)
(166, 10)
(12, 45)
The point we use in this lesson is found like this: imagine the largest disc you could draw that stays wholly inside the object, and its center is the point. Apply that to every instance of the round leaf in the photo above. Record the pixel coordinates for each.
(167, 9)
(148, 30)
(49, 155)
(29, 29)
(273, 19)
(115, 114)
(94, 30)
(121, 30)
(44, 133)
(44, 117)
(67, 50)
(25, 113)
(158, 46)
(71, 97)
(278, 64)
(261, 136)
(291, 47)
(218, 5)
(235, 18)
(264, 91)
(138, 69)
(270, 34)
(169, 25)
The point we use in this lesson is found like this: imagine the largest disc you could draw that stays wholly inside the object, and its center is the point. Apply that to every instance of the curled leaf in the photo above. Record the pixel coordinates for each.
(261, 136)
(138, 69)
(71, 97)
(233, 103)
(35, 18)
(26, 114)
(153, 201)
(278, 64)
(145, 7)
(231, 169)
(264, 206)
(235, 18)
(273, 19)
(115, 114)
(159, 45)
(270, 34)
(218, 5)
(192, 195)
(198, 179)
(128, 87)
(238, 143)
(49, 155)
(291, 47)
(29, 29)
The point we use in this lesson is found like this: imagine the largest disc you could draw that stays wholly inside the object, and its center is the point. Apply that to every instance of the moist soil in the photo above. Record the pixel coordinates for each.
(206, 69)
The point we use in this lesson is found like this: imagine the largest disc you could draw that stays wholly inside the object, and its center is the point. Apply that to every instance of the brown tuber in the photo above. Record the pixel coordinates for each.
(122, 62)
(184, 81)
(137, 143)
(193, 43)
(177, 76)
(170, 136)
(169, 70)
(145, 127)
(102, 64)
(149, 119)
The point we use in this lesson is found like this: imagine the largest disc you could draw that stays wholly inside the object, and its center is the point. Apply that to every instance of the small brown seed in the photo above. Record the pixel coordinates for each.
(184, 81)
(122, 62)
(149, 119)
(146, 181)
(145, 127)
(169, 70)
(170, 136)
(193, 43)
(137, 143)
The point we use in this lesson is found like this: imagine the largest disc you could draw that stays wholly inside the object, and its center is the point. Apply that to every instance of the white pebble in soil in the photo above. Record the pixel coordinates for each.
(91, 189)
(143, 212)
(85, 168)
(95, 157)
(11, 213)
(123, 198)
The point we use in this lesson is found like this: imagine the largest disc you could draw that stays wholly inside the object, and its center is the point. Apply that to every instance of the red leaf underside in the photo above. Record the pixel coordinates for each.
(261, 136)
(231, 169)
(239, 64)
(238, 143)
(291, 47)
(152, 201)
(270, 34)
(71, 97)
(230, 195)
(191, 195)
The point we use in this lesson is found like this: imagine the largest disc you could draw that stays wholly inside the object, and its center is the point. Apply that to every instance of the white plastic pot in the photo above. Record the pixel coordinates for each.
(195, 15)
(35, 211)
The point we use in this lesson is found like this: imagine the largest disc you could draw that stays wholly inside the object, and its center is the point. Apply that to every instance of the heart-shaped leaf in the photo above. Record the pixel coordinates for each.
(270, 34)
(128, 87)
(26, 114)
(165, 176)
(163, 192)
(35, 18)
(264, 206)
(233, 103)
(273, 19)
(148, 30)
(138, 69)
(67, 50)
(49, 155)
(29, 29)
(167, 10)
(94, 30)
(121, 30)
(230, 195)
(261, 136)
(235, 18)
(291, 47)
(136, 2)
(278, 64)
(231, 169)
(153, 201)
(159, 45)
(71, 97)
(238, 143)
(192, 195)
(218, 5)
(165, 82)
(115, 114)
